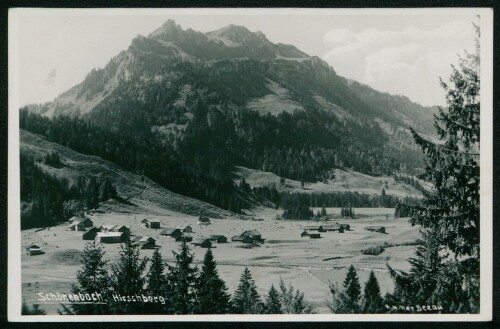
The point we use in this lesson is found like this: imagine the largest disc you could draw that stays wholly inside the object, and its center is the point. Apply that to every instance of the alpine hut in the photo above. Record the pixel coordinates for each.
(310, 235)
(202, 242)
(150, 223)
(185, 228)
(254, 235)
(90, 234)
(318, 228)
(110, 237)
(172, 232)
(243, 239)
(76, 226)
(378, 229)
(144, 242)
(218, 239)
(33, 249)
(335, 228)
(203, 220)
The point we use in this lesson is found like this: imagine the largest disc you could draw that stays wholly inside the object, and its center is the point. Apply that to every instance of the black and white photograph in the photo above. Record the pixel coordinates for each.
(248, 164)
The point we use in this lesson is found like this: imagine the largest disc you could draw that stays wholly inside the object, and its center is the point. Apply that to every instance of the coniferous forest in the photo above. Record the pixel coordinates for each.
(200, 164)
(49, 200)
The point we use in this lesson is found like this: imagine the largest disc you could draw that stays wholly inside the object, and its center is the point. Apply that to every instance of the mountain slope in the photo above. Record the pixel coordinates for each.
(136, 189)
(198, 105)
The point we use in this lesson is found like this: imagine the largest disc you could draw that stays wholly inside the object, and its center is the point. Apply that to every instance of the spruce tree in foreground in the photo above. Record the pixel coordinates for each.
(92, 278)
(346, 299)
(272, 304)
(246, 299)
(372, 299)
(157, 284)
(127, 279)
(211, 289)
(449, 216)
(182, 282)
(352, 289)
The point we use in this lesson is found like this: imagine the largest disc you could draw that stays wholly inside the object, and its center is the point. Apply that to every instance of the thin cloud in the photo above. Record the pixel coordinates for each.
(407, 62)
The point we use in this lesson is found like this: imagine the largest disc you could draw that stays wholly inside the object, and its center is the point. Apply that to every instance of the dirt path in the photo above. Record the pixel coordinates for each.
(145, 187)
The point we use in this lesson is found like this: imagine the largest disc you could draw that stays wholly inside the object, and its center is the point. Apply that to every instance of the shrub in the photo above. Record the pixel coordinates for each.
(377, 250)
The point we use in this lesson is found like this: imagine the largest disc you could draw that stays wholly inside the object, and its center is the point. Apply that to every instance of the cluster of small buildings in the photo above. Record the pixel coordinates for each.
(179, 233)
(111, 233)
(183, 233)
(313, 231)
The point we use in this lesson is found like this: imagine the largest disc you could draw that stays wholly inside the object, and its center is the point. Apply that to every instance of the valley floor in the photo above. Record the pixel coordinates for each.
(308, 264)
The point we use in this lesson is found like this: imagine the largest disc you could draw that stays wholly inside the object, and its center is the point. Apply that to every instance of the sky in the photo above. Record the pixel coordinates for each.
(402, 52)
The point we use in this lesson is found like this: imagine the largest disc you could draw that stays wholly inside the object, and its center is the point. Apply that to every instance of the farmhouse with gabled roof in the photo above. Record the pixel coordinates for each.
(378, 229)
(202, 242)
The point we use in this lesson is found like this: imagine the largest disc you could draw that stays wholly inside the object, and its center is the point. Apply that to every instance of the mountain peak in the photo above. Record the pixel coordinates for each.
(168, 28)
(236, 35)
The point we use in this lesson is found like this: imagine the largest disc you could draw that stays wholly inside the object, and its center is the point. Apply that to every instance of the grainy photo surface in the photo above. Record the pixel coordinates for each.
(251, 164)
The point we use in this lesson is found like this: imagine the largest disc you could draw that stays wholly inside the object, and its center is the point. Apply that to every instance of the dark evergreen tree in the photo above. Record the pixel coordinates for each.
(52, 159)
(157, 285)
(211, 289)
(352, 289)
(246, 299)
(449, 214)
(92, 279)
(182, 282)
(127, 279)
(323, 212)
(372, 299)
(346, 299)
(272, 303)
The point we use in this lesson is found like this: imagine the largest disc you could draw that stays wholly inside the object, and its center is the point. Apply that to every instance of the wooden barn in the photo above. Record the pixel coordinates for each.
(150, 224)
(172, 232)
(76, 226)
(310, 235)
(253, 234)
(110, 237)
(243, 239)
(218, 238)
(90, 234)
(33, 250)
(87, 222)
(144, 242)
(203, 220)
(318, 228)
(185, 228)
(202, 242)
(335, 228)
(378, 229)
(116, 228)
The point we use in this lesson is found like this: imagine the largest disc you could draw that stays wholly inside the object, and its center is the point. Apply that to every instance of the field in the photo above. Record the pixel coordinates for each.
(308, 264)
